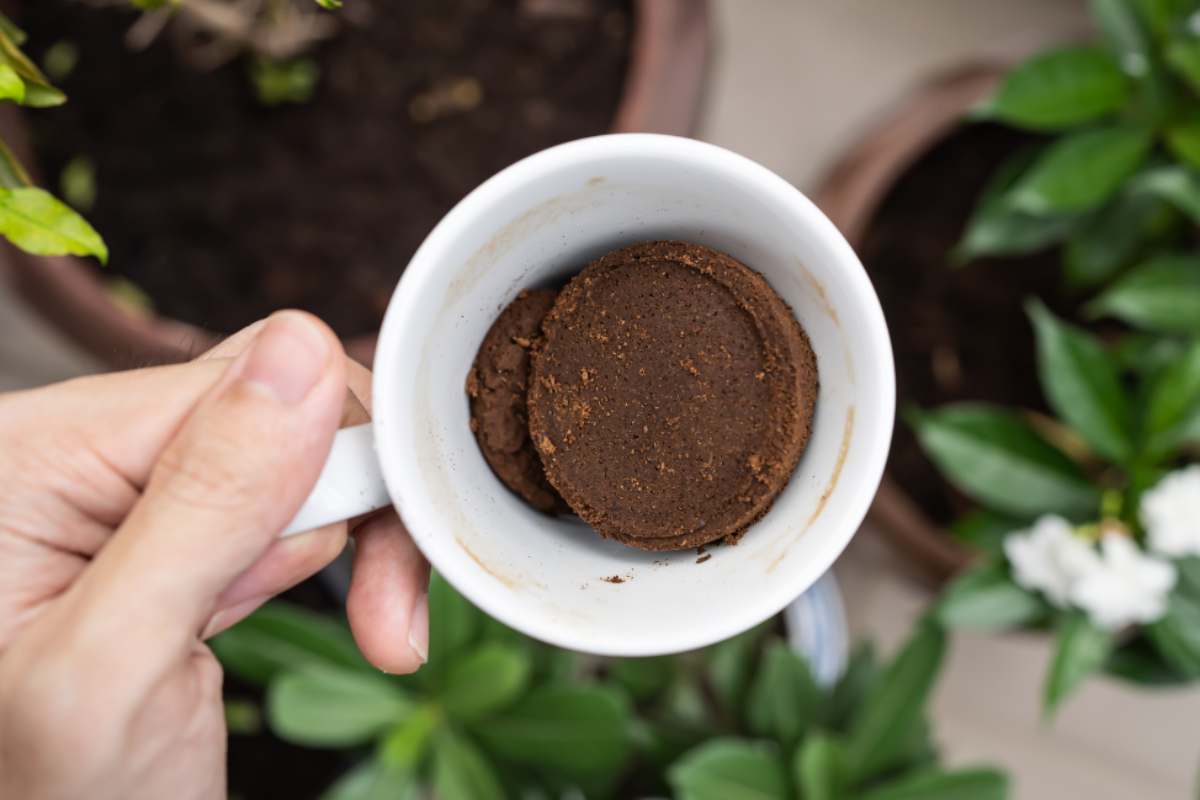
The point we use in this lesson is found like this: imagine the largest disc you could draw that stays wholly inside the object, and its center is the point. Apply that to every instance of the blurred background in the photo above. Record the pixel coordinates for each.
(837, 97)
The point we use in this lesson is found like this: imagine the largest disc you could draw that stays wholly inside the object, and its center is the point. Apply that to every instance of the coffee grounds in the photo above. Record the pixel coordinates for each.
(671, 395)
(497, 387)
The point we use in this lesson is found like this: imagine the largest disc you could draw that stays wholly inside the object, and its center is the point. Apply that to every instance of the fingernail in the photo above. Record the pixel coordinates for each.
(418, 628)
(287, 358)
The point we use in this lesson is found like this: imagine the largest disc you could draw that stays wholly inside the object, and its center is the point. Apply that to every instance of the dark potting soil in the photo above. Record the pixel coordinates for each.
(958, 333)
(223, 209)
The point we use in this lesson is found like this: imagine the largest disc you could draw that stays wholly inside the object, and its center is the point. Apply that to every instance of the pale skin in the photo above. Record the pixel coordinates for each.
(139, 516)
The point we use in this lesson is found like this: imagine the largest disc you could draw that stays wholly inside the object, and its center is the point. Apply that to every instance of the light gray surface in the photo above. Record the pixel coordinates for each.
(794, 82)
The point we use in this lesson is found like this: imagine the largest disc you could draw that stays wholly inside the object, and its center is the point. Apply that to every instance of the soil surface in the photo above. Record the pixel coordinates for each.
(958, 334)
(222, 208)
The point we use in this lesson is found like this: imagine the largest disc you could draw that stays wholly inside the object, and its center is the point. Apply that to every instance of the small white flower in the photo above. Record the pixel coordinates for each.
(1049, 558)
(1171, 513)
(1125, 587)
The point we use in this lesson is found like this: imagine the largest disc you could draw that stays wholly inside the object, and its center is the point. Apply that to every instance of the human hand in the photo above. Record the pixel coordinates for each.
(139, 515)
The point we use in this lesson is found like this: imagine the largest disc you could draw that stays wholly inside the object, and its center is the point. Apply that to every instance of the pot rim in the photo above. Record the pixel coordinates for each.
(661, 94)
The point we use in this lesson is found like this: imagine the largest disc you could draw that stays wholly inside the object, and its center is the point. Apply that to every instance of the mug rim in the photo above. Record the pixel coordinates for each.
(399, 467)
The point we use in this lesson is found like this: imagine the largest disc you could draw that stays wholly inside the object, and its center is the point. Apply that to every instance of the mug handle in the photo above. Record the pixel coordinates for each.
(351, 483)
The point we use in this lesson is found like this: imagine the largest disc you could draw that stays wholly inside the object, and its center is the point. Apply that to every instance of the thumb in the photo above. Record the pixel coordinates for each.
(232, 477)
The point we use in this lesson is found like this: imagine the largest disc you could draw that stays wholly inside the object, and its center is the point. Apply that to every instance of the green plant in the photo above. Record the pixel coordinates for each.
(494, 714)
(30, 217)
(1117, 186)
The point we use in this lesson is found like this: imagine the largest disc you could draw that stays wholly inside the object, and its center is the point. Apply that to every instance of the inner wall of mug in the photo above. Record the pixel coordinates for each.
(536, 225)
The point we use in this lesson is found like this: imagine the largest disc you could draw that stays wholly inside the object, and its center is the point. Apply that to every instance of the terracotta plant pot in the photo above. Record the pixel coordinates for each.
(661, 95)
(850, 194)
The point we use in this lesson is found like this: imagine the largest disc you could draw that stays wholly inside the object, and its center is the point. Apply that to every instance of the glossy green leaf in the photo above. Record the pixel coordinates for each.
(992, 455)
(1059, 89)
(729, 665)
(643, 678)
(1183, 140)
(1161, 295)
(576, 731)
(453, 623)
(862, 670)
(462, 772)
(784, 699)
(964, 784)
(1081, 170)
(998, 229)
(1081, 384)
(324, 706)
(38, 223)
(819, 768)
(11, 85)
(485, 680)
(1133, 44)
(729, 769)
(1174, 399)
(1146, 354)
(1176, 636)
(878, 736)
(1164, 15)
(1080, 650)
(1177, 185)
(373, 780)
(987, 599)
(279, 637)
(329, 4)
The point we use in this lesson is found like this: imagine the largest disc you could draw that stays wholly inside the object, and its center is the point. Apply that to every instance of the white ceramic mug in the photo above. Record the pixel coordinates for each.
(535, 224)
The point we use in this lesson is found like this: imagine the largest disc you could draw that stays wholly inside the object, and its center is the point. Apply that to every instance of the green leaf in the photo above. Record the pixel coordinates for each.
(78, 183)
(1080, 382)
(992, 455)
(453, 623)
(330, 5)
(373, 780)
(1110, 238)
(279, 82)
(965, 784)
(987, 599)
(38, 91)
(35, 221)
(485, 680)
(729, 769)
(1176, 184)
(1146, 354)
(997, 229)
(280, 637)
(575, 731)
(405, 745)
(462, 772)
(852, 687)
(1176, 636)
(984, 530)
(12, 174)
(1183, 140)
(895, 705)
(784, 699)
(1164, 15)
(60, 59)
(1173, 401)
(729, 666)
(820, 768)
(7, 28)
(1059, 89)
(11, 85)
(1160, 295)
(1122, 25)
(1140, 664)
(1081, 170)
(1183, 56)
(1080, 650)
(643, 678)
(324, 706)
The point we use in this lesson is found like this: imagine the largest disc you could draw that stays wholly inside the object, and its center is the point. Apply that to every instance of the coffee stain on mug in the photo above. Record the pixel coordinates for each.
(820, 293)
(847, 434)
